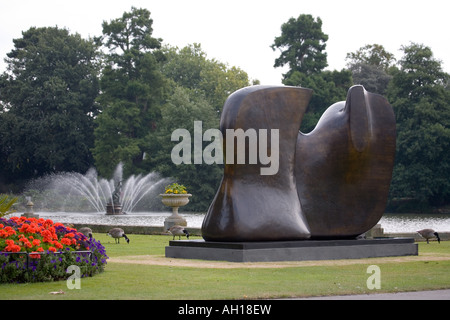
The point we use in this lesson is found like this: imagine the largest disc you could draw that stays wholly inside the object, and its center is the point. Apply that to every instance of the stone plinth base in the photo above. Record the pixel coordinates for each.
(113, 209)
(291, 250)
(172, 221)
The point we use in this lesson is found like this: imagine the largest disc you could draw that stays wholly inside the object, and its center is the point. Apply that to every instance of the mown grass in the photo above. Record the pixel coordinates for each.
(139, 281)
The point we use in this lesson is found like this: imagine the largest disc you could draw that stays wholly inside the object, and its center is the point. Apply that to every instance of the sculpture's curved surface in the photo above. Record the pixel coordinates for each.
(250, 206)
(330, 183)
(344, 166)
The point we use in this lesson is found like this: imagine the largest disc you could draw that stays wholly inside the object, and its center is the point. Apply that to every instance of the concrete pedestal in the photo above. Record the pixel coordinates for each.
(170, 222)
(291, 250)
(113, 209)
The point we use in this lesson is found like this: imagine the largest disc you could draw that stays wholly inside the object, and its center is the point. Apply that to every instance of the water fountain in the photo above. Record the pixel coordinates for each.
(88, 192)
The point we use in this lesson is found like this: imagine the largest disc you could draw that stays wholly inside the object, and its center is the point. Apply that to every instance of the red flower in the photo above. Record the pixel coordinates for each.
(10, 231)
(25, 242)
(31, 233)
(58, 245)
(24, 228)
(47, 235)
(35, 255)
(11, 246)
(33, 228)
(66, 241)
(48, 223)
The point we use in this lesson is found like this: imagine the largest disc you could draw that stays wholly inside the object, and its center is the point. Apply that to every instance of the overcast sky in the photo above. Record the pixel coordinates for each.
(240, 33)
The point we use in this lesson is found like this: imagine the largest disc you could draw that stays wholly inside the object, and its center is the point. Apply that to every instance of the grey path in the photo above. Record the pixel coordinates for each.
(418, 295)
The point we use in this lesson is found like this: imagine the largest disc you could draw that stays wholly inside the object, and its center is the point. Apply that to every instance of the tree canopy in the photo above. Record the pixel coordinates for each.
(302, 45)
(132, 89)
(149, 90)
(48, 104)
(68, 103)
(199, 88)
(420, 96)
(370, 67)
(416, 87)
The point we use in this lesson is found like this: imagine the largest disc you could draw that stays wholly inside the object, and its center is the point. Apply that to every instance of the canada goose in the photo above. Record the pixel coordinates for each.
(428, 234)
(86, 231)
(178, 231)
(118, 233)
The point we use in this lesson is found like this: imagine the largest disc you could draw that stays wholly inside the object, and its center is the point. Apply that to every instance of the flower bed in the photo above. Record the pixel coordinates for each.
(36, 250)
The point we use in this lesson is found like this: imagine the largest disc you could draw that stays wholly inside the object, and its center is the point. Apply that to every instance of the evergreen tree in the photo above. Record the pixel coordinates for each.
(48, 104)
(420, 97)
(132, 89)
(302, 46)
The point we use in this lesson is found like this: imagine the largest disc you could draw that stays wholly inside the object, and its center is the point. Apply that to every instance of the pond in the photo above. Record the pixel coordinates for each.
(398, 223)
(194, 220)
(391, 223)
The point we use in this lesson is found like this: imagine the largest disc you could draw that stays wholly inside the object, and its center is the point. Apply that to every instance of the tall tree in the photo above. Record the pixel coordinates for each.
(373, 54)
(370, 67)
(131, 92)
(48, 104)
(420, 97)
(328, 87)
(183, 108)
(200, 88)
(302, 45)
(189, 67)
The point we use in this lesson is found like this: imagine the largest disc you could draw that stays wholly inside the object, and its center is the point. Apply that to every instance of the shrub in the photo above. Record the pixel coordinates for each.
(6, 204)
(35, 250)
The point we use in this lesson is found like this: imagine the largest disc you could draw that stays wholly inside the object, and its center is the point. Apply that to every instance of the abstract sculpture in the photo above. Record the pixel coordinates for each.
(331, 183)
(344, 166)
(250, 206)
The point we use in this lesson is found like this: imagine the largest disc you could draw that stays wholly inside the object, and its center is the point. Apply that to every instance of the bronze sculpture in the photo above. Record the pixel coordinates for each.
(344, 166)
(331, 183)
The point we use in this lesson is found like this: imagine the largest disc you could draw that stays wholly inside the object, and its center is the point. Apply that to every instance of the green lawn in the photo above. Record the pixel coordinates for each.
(139, 281)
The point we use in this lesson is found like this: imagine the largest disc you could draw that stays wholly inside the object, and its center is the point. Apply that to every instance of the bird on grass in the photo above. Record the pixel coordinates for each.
(429, 234)
(86, 231)
(118, 233)
(178, 231)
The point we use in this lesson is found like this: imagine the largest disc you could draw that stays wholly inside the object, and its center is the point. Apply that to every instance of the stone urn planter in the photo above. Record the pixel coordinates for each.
(175, 201)
(29, 213)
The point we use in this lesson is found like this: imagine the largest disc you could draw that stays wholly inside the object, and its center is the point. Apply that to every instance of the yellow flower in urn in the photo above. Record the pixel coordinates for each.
(175, 196)
(175, 188)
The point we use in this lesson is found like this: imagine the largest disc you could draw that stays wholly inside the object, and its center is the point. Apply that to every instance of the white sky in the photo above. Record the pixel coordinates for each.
(240, 32)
